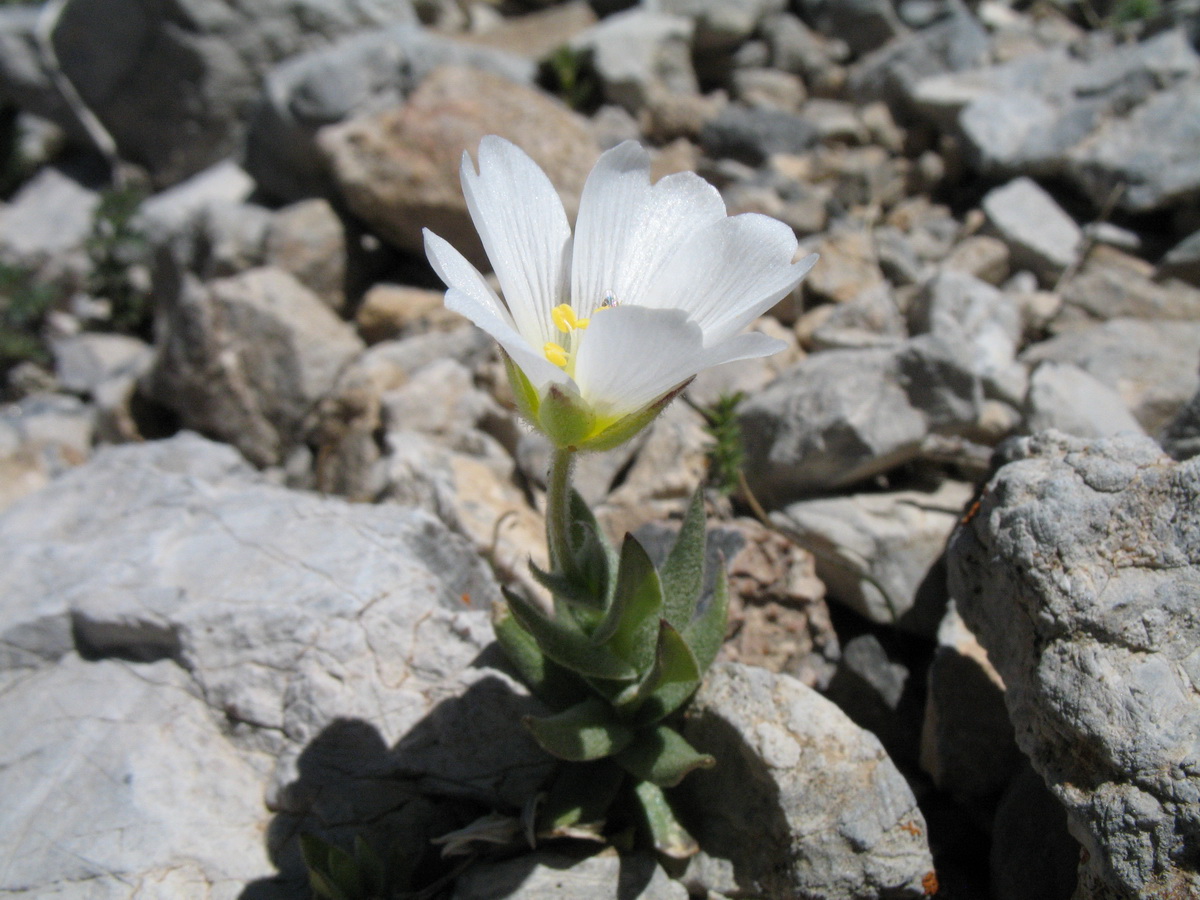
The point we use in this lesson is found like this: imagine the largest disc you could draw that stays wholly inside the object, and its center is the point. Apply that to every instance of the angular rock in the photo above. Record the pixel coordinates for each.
(880, 553)
(802, 801)
(864, 25)
(169, 212)
(982, 256)
(172, 83)
(41, 437)
(193, 637)
(356, 75)
(247, 359)
(44, 226)
(842, 416)
(1078, 574)
(1039, 234)
(1151, 365)
(398, 170)
(1065, 397)
(1181, 437)
(309, 240)
(871, 318)
(1183, 260)
(84, 361)
(752, 135)
(548, 875)
(1111, 284)
(870, 687)
(848, 268)
(721, 24)
(638, 54)
(390, 311)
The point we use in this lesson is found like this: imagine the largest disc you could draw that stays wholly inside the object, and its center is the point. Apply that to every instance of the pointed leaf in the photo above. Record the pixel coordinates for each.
(323, 886)
(370, 867)
(588, 730)
(661, 756)
(706, 632)
(564, 643)
(670, 838)
(581, 794)
(581, 515)
(343, 871)
(555, 684)
(683, 571)
(674, 664)
(628, 624)
(564, 587)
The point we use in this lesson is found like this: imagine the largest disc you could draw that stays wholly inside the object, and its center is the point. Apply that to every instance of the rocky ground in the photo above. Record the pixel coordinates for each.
(259, 489)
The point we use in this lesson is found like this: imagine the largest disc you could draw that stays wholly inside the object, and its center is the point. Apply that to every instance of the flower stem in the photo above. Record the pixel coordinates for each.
(558, 508)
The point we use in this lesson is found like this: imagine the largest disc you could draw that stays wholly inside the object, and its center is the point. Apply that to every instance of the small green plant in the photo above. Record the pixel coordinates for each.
(726, 454)
(1128, 11)
(114, 246)
(566, 74)
(334, 874)
(626, 647)
(24, 302)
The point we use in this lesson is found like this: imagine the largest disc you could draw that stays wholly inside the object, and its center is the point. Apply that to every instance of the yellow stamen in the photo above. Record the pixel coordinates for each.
(555, 353)
(564, 318)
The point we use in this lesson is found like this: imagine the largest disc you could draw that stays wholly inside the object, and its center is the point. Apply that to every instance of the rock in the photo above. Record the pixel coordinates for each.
(796, 48)
(1183, 260)
(864, 25)
(357, 75)
(967, 742)
(169, 212)
(879, 554)
(41, 437)
(721, 24)
(1144, 175)
(639, 53)
(1181, 437)
(802, 803)
(172, 84)
(1033, 854)
(536, 35)
(247, 358)
(769, 89)
(1151, 365)
(870, 688)
(1111, 284)
(547, 875)
(398, 170)
(324, 662)
(870, 319)
(1065, 397)
(981, 256)
(752, 135)
(1039, 235)
(390, 311)
(1077, 573)
(85, 361)
(309, 241)
(44, 226)
(843, 416)
(849, 267)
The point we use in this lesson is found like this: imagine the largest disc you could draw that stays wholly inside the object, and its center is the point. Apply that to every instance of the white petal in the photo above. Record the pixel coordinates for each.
(539, 370)
(457, 272)
(679, 206)
(730, 273)
(631, 355)
(523, 227)
(610, 209)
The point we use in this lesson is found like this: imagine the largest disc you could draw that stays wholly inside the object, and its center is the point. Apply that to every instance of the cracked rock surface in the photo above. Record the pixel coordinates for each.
(1080, 573)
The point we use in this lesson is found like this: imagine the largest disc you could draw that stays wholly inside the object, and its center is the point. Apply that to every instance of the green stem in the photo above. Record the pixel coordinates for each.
(558, 509)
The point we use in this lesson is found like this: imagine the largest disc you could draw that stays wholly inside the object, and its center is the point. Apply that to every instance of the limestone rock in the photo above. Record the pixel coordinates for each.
(45, 224)
(638, 54)
(1065, 397)
(1039, 234)
(548, 875)
(247, 358)
(41, 437)
(398, 169)
(1078, 575)
(802, 803)
(1111, 284)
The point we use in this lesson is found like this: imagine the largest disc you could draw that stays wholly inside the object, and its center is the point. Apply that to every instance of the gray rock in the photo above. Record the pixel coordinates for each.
(1145, 158)
(752, 135)
(183, 638)
(1183, 260)
(967, 743)
(1111, 284)
(1151, 365)
(1032, 853)
(638, 54)
(45, 224)
(310, 241)
(864, 25)
(1181, 437)
(83, 362)
(796, 48)
(869, 686)
(173, 83)
(843, 416)
(167, 213)
(550, 876)
(879, 553)
(356, 75)
(41, 437)
(1065, 397)
(802, 802)
(247, 359)
(1039, 234)
(720, 24)
(1078, 575)
(872, 318)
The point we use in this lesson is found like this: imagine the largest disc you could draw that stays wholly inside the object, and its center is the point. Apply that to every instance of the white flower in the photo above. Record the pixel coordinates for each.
(602, 329)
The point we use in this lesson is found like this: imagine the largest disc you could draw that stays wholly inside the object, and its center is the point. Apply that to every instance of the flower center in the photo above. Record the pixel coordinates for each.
(562, 353)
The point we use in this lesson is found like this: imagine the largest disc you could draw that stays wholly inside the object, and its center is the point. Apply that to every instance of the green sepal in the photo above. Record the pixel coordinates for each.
(674, 664)
(661, 756)
(562, 641)
(683, 570)
(524, 393)
(565, 418)
(670, 838)
(554, 684)
(587, 731)
(580, 795)
(625, 428)
(628, 624)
